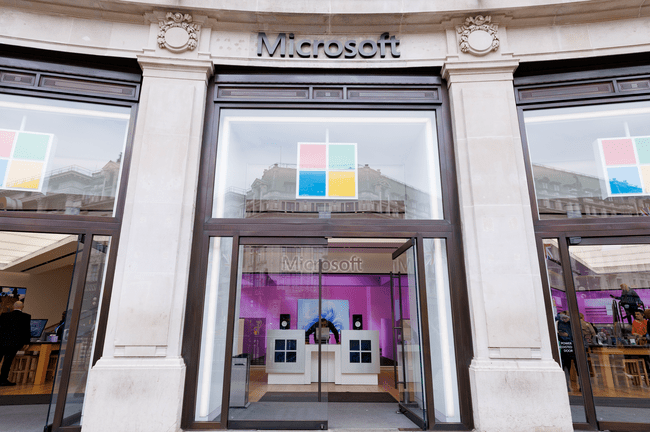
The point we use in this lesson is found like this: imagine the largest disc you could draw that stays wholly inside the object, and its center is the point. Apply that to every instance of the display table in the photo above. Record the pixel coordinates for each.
(44, 350)
(354, 362)
(602, 352)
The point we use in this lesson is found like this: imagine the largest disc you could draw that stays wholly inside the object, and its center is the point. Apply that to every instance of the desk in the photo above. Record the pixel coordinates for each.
(44, 350)
(603, 353)
(337, 363)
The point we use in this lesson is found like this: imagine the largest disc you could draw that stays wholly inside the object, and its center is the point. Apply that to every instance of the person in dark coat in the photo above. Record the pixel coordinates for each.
(15, 332)
(630, 301)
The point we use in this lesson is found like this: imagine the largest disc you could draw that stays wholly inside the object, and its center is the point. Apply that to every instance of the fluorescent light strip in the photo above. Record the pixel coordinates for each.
(587, 115)
(330, 119)
(62, 110)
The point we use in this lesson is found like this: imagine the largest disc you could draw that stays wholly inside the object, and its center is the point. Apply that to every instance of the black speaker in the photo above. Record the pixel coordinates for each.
(285, 321)
(357, 322)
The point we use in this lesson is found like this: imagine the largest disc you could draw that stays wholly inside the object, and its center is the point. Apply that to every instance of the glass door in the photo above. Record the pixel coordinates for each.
(405, 302)
(611, 279)
(285, 345)
(78, 333)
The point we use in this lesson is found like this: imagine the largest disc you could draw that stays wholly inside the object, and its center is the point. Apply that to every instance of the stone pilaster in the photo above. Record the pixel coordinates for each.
(138, 383)
(516, 385)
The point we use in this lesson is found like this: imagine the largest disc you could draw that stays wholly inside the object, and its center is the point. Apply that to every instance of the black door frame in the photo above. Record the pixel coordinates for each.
(262, 87)
(564, 242)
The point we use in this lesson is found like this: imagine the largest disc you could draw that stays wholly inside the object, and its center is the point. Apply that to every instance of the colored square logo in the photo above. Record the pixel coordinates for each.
(643, 149)
(342, 184)
(342, 156)
(311, 183)
(624, 180)
(618, 151)
(3, 170)
(6, 143)
(645, 177)
(24, 175)
(313, 156)
(31, 146)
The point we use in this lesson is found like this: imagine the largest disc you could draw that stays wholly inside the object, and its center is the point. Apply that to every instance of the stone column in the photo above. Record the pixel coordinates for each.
(138, 383)
(516, 385)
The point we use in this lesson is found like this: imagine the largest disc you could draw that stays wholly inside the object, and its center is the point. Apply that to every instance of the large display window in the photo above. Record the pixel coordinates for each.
(61, 156)
(363, 164)
(590, 161)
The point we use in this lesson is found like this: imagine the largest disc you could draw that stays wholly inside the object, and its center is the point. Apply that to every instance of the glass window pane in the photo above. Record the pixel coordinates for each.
(86, 330)
(441, 333)
(613, 291)
(361, 164)
(215, 322)
(564, 337)
(591, 161)
(60, 156)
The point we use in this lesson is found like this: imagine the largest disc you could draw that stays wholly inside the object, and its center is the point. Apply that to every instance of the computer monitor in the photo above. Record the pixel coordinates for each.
(37, 327)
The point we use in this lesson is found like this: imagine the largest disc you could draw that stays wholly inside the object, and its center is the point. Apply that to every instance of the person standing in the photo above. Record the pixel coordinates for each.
(630, 301)
(15, 331)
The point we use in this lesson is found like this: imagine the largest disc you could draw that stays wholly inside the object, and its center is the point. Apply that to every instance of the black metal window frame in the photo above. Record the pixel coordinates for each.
(593, 85)
(353, 90)
(61, 76)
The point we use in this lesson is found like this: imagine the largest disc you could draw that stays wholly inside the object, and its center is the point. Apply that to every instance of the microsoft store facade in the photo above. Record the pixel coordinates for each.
(288, 216)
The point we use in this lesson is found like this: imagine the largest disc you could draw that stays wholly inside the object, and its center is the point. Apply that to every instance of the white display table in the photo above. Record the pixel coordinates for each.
(354, 362)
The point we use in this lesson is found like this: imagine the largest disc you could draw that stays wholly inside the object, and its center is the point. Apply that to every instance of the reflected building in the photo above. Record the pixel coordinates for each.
(69, 190)
(380, 196)
(562, 193)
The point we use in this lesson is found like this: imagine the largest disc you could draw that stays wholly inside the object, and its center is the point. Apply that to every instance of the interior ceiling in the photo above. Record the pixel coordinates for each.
(38, 252)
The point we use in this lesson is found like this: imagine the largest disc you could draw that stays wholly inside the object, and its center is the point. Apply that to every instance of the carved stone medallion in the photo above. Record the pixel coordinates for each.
(478, 35)
(178, 33)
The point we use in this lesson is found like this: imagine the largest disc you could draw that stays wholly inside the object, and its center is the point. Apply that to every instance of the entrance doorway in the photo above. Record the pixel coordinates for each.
(361, 363)
(600, 293)
(58, 279)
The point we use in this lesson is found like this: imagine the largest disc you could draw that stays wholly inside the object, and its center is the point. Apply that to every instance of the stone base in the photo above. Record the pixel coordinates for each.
(134, 394)
(519, 396)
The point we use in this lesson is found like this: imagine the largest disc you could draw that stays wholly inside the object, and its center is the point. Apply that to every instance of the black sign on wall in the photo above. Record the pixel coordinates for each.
(332, 48)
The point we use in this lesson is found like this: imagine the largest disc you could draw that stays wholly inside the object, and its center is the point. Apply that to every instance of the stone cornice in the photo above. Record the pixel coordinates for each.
(484, 70)
(336, 14)
(178, 68)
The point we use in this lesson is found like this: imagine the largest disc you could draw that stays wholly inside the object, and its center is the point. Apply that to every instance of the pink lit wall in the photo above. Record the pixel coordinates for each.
(265, 296)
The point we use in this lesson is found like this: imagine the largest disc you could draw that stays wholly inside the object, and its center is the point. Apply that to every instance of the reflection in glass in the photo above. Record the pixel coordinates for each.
(213, 335)
(60, 156)
(410, 364)
(283, 163)
(613, 288)
(591, 161)
(86, 330)
(564, 335)
(276, 285)
(441, 332)
(74, 286)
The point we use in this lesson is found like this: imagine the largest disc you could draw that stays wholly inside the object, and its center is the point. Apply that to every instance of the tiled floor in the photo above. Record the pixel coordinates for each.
(258, 385)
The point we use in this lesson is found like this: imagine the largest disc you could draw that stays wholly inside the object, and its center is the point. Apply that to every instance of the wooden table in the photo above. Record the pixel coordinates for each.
(604, 351)
(44, 350)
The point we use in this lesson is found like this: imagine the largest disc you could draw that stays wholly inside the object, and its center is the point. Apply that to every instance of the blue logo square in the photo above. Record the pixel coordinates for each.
(312, 183)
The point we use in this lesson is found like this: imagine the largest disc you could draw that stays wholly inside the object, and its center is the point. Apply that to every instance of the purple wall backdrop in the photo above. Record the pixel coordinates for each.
(265, 296)
(593, 304)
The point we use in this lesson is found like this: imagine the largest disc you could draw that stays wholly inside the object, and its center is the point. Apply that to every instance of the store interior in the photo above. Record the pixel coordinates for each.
(36, 268)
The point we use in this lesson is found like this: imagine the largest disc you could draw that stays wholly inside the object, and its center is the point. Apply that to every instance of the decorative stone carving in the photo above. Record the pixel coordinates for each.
(178, 33)
(478, 35)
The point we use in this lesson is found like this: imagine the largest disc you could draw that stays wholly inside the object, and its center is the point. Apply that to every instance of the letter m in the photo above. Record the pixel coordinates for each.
(262, 40)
